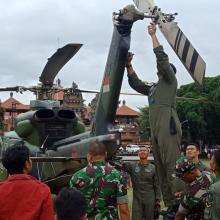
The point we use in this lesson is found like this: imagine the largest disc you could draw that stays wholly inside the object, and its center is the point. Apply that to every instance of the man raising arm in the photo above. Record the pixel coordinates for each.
(165, 125)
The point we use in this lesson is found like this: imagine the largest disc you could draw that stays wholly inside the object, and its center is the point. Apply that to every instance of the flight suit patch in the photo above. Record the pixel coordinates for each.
(147, 170)
(137, 170)
(151, 100)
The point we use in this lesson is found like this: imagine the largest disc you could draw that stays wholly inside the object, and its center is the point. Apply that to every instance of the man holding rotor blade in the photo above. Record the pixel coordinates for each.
(166, 129)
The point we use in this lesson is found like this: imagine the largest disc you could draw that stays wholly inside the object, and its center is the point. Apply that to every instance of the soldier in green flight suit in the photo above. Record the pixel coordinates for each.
(146, 191)
(165, 125)
(103, 186)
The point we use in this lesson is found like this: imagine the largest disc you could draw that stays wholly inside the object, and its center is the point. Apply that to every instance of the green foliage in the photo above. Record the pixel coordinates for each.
(144, 124)
(200, 106)
(202, 111)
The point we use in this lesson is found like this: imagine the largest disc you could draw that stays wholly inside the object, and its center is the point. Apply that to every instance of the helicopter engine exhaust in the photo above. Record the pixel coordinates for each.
(66, 115)
(44, 115)
(49, 114)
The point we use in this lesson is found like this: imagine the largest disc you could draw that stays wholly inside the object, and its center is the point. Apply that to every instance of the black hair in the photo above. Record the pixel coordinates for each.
(216, 155)
(70, 204)
(97, 149)
(194, 144)
(173, 67)
(14, 158)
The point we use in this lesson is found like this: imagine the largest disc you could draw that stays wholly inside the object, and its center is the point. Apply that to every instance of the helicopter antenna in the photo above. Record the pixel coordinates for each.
(59, 177)
(38, 169)
(51, 163)
(42, 146)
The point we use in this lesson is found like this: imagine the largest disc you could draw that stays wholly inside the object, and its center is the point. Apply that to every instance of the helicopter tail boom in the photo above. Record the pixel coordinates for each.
(114, 70)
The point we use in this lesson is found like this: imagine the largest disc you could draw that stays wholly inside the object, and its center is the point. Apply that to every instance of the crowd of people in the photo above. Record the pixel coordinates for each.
(99, 191)
(188, 188)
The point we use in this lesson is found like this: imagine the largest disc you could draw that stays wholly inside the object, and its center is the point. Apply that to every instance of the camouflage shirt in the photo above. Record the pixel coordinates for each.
(104, 187)
(197, 197)
(213, 212)
(202, 167)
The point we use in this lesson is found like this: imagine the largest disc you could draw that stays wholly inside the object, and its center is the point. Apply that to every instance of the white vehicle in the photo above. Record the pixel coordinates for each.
(132, 148)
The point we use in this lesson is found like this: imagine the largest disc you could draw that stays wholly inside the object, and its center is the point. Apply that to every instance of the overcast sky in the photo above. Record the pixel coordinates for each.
(32, 30)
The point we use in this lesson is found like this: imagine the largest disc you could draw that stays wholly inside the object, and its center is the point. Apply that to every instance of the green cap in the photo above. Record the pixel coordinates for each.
(183, 165)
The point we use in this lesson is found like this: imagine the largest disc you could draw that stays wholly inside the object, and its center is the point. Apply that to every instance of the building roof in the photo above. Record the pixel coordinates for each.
(126, 111)
(58, 96)
(7, 104)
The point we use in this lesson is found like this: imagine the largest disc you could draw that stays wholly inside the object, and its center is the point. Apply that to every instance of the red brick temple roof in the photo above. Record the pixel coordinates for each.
(7, 104)
(126, 111)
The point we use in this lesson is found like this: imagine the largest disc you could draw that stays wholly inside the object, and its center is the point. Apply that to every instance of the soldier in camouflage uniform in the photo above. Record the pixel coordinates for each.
(165, 126)
(197, 196)
(214, 210)
(146, 191)
(103, 186)
(192, 152)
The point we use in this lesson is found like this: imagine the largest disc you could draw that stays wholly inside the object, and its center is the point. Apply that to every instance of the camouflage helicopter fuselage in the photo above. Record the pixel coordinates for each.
(57, 140)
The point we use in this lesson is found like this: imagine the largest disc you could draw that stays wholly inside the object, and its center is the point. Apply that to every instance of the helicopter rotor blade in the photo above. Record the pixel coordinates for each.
(188, 55)
(35, 89)
(81, 90)
(54, 159)
(14, 88)
(19, 89)
(57, 61)
(185, 51)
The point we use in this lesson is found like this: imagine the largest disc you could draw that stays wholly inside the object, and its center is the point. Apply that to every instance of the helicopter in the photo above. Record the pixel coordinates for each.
(57, 140)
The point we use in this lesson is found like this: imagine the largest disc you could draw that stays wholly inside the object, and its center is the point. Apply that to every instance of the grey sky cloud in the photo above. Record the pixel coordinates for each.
(31, 31)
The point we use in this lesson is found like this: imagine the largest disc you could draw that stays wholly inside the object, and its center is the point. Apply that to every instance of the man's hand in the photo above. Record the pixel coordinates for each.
(129, 67)
(180, 216)
(124, 212)
(152, 29)
(179, 195)
(129, 58)
(152, 32)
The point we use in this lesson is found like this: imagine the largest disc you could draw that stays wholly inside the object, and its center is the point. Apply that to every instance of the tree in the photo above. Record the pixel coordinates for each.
(200, 107)
(144, 124)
